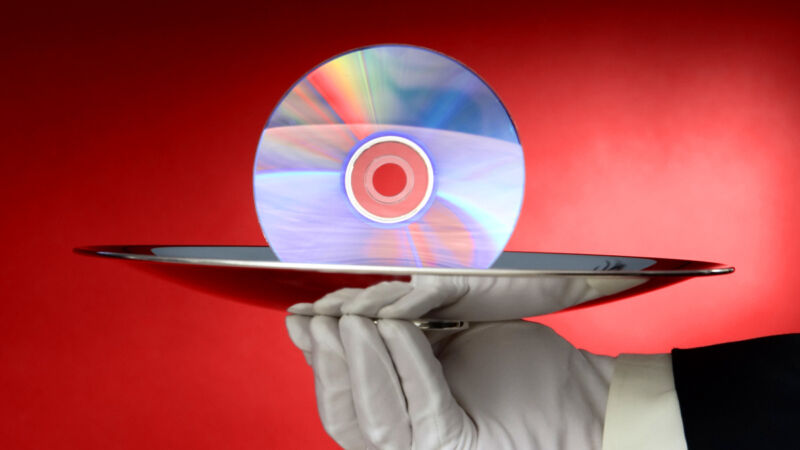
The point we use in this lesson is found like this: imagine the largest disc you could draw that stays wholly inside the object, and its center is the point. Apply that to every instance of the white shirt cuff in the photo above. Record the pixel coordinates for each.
(643, 410)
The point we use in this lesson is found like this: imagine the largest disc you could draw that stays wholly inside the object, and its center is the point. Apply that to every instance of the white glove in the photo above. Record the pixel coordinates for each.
(500, 385)
(484, 298)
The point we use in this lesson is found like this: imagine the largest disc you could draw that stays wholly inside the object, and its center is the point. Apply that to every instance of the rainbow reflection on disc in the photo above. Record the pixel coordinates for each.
(389, 155)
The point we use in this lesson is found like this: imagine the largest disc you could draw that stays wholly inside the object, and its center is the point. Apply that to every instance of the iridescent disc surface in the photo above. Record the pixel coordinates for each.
(389, 155)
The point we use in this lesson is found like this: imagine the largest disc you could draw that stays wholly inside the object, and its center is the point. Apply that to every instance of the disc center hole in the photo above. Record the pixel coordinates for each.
(389, 179)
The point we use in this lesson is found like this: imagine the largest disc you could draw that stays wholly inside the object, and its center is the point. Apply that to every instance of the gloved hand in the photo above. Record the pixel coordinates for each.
(484, 298)
(499, 385)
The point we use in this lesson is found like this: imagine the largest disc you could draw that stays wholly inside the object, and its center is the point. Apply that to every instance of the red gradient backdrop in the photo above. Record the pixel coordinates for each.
(663, 131)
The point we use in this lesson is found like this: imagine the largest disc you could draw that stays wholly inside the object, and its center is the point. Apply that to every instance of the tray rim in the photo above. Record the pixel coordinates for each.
(118, 252)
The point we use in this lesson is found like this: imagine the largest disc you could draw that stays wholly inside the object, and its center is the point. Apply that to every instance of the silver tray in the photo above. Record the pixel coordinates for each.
(556, 280)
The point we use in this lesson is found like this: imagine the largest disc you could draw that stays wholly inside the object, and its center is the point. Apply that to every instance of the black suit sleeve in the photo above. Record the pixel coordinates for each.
(740, 395)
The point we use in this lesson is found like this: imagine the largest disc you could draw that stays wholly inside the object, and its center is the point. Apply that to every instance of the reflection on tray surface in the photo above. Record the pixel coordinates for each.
(508, 260)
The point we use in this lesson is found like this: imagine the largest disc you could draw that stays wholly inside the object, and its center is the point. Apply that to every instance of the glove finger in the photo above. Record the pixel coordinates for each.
(377, 395)
(373, 298)
(332, 383)
(302, 309)
(436, 419)
(420, 301)
(331, 304)
(300, 334)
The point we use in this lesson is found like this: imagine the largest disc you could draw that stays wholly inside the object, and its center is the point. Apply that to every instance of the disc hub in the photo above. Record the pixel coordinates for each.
(388, 179)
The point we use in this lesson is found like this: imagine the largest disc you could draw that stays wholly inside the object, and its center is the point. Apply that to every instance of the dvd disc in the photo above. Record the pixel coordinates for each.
(389, 155)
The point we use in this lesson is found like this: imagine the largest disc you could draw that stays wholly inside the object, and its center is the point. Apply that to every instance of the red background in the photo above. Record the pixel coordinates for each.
(664, 131)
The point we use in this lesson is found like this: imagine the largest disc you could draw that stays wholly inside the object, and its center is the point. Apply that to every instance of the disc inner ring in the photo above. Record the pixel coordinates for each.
(368, 159)
(370, 178)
